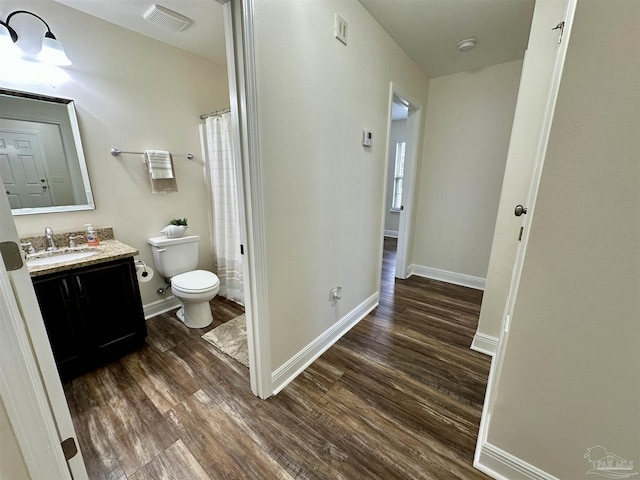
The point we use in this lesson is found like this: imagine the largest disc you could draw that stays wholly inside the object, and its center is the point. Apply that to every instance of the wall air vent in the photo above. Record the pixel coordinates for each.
(167, 18)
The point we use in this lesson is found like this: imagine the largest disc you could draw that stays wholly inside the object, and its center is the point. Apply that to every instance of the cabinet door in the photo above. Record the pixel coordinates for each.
(111, 308)
(60, 314)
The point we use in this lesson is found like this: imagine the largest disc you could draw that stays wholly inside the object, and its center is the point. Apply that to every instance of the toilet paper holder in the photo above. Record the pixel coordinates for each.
(144, 267)
(143, 272)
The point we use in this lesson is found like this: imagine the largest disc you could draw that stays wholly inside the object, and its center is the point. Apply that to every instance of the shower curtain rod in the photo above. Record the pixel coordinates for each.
(215, 113)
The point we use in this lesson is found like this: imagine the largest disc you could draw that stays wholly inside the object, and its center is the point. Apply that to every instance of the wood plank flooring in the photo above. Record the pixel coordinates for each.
(398, 397)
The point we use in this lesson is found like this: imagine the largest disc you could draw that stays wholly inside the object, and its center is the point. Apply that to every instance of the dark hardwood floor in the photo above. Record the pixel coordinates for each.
(399, 396)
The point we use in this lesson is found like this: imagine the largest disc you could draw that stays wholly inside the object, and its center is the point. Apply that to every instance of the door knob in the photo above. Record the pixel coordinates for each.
(520, 210)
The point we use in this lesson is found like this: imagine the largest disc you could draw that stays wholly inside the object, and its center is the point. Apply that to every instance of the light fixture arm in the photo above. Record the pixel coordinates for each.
(14, 34)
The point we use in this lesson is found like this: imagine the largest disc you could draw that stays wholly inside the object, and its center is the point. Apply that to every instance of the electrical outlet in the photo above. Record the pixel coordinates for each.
(335, 293)
(367, 138)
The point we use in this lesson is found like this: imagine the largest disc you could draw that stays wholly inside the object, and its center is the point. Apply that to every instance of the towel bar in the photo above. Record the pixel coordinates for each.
(116, 151)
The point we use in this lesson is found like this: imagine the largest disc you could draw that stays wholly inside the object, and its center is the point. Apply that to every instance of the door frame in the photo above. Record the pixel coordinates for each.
(241, 68)
(414, 123)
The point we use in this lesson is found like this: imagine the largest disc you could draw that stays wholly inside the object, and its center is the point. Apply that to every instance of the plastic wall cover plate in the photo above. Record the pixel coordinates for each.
(340, 28)
(367, 138)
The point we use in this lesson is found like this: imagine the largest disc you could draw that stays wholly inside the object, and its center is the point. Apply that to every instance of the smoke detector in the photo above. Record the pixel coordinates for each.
(167, 18)
(467, 44)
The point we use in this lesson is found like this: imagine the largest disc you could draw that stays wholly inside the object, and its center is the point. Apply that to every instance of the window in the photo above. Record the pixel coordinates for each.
(396, 203)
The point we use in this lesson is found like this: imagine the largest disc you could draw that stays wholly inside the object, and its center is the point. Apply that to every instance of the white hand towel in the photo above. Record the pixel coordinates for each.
(158, 163)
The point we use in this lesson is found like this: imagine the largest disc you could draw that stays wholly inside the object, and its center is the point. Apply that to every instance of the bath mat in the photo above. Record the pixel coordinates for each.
(231, 339)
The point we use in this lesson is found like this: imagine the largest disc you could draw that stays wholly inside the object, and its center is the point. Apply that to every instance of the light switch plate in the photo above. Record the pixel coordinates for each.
(340, 27)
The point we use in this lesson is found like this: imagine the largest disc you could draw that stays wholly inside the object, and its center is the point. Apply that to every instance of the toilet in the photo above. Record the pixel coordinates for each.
(176, 259)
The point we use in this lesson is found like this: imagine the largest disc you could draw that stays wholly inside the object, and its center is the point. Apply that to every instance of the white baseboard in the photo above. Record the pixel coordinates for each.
(154, 309)
(501, 465)
(484, 344)
(391, 233)
(449, 277)
(305, 357)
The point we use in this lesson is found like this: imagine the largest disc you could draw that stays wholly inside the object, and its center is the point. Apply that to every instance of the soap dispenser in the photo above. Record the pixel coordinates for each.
(92, 238)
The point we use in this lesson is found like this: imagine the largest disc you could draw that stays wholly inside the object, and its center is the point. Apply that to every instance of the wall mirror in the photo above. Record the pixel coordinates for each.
(42, 162)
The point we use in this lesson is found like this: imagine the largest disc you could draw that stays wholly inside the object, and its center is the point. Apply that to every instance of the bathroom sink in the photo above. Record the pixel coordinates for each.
(50, 258)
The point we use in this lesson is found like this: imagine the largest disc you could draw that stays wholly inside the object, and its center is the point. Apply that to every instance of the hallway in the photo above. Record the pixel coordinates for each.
(399, 396)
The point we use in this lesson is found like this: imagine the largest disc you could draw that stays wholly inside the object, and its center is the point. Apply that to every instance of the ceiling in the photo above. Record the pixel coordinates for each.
(204, 37)
(428, 30)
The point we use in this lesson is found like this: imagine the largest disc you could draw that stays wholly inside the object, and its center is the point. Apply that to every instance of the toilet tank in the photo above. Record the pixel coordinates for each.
(173, 256)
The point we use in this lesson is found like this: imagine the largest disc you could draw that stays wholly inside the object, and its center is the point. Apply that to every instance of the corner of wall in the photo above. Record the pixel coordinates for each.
(286, 373)
(446, 276)
(484, 344)
(501, 465)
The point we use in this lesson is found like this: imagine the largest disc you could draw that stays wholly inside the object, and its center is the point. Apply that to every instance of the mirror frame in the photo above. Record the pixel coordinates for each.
(79, 151)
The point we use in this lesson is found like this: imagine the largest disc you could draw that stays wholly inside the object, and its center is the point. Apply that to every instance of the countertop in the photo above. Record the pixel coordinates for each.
(107, 251)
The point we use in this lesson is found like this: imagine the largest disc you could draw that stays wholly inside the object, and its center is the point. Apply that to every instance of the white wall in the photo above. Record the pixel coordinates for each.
(571, 374)
(467, 129)
(133, 93)
(398, 133)
(323, 191)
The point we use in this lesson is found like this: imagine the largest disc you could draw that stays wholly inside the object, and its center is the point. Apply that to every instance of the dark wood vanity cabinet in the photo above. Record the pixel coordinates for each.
(92, 314)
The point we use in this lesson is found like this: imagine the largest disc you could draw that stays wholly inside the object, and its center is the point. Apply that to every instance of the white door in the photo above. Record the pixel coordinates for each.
(409, 174)
(29, 383)
(527, 138)
(23, 170)
(572, 348)
(524, 220)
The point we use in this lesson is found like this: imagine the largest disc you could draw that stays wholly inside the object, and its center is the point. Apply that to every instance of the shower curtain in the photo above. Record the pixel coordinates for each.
(223, 198)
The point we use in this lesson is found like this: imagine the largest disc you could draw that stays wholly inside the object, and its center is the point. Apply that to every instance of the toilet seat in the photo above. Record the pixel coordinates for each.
(197, 281)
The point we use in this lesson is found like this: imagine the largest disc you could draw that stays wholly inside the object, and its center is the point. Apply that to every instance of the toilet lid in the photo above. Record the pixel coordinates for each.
(195, 281)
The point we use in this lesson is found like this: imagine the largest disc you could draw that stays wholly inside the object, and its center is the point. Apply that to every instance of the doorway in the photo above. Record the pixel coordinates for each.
(402, 139)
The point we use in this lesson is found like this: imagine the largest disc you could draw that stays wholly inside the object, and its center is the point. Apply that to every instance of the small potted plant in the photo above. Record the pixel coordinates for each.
(176, 228)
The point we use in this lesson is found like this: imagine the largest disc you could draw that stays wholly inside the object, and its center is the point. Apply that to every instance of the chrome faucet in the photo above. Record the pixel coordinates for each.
(48, 234)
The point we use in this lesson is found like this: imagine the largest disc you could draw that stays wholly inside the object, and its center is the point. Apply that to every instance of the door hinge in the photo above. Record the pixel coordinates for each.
(69, 448)
(11, 256)
(560, 27)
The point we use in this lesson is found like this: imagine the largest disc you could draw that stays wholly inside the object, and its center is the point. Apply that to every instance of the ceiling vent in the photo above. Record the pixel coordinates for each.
(167, 18)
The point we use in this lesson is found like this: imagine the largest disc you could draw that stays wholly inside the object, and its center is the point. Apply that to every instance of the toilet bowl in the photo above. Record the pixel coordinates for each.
(176, 260)
(194, 290)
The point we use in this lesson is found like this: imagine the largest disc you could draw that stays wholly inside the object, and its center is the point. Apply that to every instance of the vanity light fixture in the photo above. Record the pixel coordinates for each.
(52, 51)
